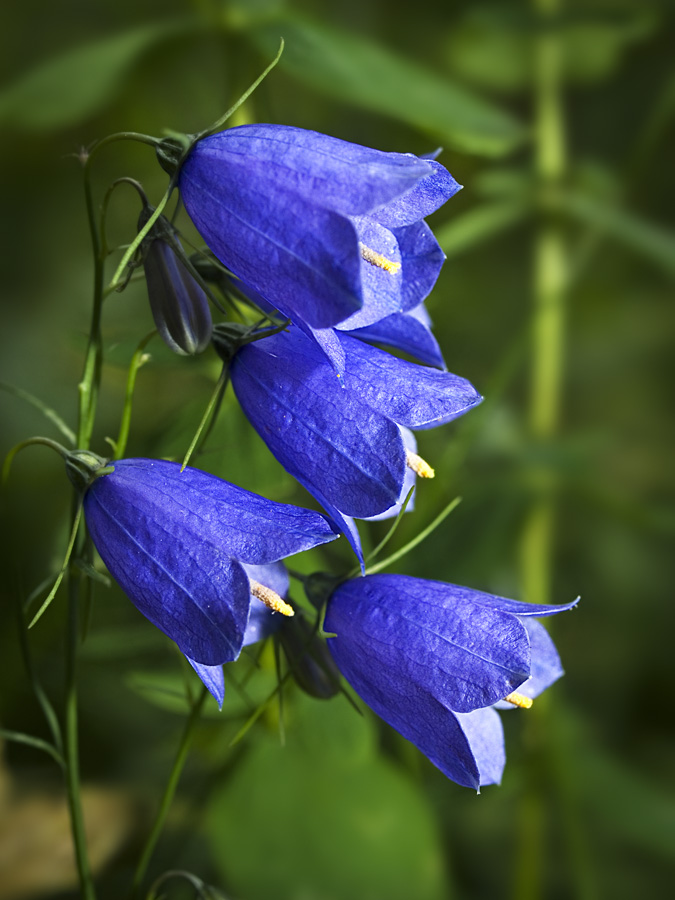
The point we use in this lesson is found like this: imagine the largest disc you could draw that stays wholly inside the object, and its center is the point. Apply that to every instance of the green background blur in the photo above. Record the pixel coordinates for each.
(346, 809)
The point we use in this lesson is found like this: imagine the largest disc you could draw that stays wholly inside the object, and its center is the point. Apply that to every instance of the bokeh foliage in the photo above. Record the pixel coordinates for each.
(346, 808)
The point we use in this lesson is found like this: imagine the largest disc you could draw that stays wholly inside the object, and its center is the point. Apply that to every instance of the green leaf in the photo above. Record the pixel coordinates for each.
(46, 411)
(69, 87)
(627, 805)
(492, 45)
(30, 741)
(358, 71)
(652, 241)
(480, 224)
(330, 819)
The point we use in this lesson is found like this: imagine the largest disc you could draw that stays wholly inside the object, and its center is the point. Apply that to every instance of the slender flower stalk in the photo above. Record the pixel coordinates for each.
(550, 285)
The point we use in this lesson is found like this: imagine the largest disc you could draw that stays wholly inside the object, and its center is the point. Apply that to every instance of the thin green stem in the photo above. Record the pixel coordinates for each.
(169, 791)
(551, 271)
(209, 414)
(139, 359)
(93, 362)
(384, 563)
(71, 740)
(41, 697)
(549, 287)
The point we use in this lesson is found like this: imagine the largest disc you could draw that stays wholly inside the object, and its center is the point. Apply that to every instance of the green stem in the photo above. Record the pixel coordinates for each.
(549, 288)
(169, 791)
(91, 376)
(551, 277)
(71, 742)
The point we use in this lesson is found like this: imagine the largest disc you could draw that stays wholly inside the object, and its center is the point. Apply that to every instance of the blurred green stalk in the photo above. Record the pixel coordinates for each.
(550, 285)
(548, 339)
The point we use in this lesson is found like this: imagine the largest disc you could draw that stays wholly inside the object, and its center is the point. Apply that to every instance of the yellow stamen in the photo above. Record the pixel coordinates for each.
(419, 466)
(271, 599)
(519, 700)
(376, 259)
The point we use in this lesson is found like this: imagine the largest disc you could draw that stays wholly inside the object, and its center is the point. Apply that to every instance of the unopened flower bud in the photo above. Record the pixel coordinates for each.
(311, 663)
(179, 305)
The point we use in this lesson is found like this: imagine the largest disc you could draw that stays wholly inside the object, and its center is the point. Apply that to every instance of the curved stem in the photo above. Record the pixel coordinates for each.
(169, 791)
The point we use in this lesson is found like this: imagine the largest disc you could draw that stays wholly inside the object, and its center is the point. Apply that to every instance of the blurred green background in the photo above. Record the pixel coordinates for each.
(556, 302)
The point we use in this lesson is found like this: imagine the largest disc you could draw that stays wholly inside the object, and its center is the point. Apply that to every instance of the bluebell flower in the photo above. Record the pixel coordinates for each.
(178, 543)
(433, 659)
(179, 305)
(325, 230)
(344, 444)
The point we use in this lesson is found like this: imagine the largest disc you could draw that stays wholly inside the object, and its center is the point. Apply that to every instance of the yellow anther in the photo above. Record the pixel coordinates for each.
(271, 599)
(376, 259)
(519, 700)
(419, 466)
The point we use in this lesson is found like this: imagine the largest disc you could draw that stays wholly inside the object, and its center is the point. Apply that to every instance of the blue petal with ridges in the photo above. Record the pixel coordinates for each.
(324, 436)
(173, 541)
(412, 395)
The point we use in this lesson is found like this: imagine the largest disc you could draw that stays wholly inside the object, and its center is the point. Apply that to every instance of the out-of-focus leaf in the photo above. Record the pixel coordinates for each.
(479, 225)
(652, 241)
(628, 806)
(331, 820)
(503, 182)
(492, 46)
(79, 82)
(358, 71)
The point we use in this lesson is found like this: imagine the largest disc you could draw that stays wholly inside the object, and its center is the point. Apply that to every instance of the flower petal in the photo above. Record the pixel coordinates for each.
(422, 259)
(516, 607)
(213, 679)
(464, 655)
(545, 667)
(412, 395)
(410, 443)
(338, 448)
(303, 258)
(189, 588)
(382, 283)
(425, 197)
(418, 714)
(213, 511)
(406, 332)
(483, 730)
(349, 178)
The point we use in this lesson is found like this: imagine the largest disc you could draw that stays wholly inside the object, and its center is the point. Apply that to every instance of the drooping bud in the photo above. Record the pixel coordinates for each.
(179, 305)
(308, 656)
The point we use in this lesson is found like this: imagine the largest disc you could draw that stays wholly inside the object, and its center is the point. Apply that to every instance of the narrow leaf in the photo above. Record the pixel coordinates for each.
(30, 741)
(46, 411)
(75, 84)
(652, 241)
(358, 71)
(479, 224)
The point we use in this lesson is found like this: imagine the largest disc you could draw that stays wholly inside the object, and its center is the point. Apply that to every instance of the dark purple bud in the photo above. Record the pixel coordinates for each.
(310, 661)
(179, 305)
